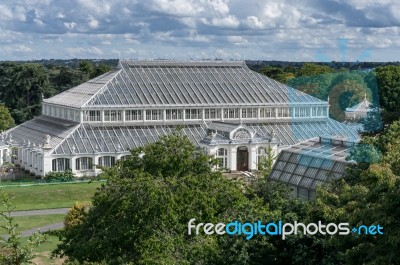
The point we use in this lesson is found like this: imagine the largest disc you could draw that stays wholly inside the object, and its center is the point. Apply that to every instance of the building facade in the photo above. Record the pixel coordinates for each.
(224, 108)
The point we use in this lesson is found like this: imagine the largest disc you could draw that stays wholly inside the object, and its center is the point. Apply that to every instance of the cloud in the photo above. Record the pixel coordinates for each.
(93, 23)
(228, 22)
(286, 29)
(5, 13)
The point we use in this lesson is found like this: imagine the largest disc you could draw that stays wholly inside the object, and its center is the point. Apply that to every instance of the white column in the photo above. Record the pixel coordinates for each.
(73, 163)
(253, 158)
(47, 163)
(232, 157)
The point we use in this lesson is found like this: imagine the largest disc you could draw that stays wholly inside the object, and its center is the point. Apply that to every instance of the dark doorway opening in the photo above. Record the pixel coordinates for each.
(242, 161)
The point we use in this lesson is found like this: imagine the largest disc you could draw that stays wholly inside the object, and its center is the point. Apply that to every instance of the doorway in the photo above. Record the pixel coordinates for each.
(242, 161)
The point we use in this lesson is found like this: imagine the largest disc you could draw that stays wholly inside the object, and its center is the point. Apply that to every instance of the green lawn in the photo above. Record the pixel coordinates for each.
(43, 252)
(36, 221)
(50, 196)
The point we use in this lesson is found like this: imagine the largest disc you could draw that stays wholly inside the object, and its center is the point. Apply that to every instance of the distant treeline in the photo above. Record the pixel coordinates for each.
(23, 85)
(343, 86)
(258, 65)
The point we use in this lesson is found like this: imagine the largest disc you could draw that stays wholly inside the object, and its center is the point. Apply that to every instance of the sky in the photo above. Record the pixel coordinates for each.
(291, 30)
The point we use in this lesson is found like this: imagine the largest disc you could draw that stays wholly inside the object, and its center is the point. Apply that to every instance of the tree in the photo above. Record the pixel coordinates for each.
(87, 67)
(346, 90)
(6, 121)
(171, 156)
(315, 85)
(311, 69)
(27, 85)
(388, 78)
(68, 77)
(101, 69)
(369, 194)
(266, 162)
(14, 250)
(277, 73)
(141, 214)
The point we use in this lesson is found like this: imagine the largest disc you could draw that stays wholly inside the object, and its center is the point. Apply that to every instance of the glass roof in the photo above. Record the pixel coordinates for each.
(68, 137)
(179, 84)
(311, 163)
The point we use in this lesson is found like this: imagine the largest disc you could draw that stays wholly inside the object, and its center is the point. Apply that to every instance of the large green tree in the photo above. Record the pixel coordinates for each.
(369, 195)
(6, 121)
(27, 84)
(140, 215)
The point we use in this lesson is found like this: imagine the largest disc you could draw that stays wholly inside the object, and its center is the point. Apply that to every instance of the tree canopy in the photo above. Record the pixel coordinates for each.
(6, 121)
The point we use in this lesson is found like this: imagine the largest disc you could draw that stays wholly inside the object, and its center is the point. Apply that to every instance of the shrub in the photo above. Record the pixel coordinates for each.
(63, 176)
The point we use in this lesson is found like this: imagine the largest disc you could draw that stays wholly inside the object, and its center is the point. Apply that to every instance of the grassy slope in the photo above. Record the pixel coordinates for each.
(50, 196)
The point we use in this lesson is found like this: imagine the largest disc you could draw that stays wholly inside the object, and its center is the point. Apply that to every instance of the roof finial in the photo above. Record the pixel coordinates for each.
(328, 99)
(365, 96)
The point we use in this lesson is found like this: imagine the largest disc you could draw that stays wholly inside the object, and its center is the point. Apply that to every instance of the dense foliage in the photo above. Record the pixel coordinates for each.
(6, 121)
(24, 85)
(140, 215)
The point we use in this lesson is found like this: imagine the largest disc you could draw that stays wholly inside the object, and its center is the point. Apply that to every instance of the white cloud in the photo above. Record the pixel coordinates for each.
(93, 23)
(100, 7)
(70, 25)
(238, 40)
(228, 22)
(254, 22)
(182, 8)
(22, 48)
(95, 51)
(5, 13)
(60, 15)
(194, 36)
(131, 51)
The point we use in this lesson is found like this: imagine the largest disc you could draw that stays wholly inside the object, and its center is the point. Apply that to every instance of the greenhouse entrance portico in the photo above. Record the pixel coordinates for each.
(224, 108)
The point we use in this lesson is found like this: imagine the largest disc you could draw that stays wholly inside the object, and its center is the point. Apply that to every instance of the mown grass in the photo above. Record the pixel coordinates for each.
(50, 196)
(43, 252)
(35, 221)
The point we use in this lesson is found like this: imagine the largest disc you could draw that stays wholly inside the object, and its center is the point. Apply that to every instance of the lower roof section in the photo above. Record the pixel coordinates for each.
(89, 139)
(33, 133)
(66, 137)
(312, 163)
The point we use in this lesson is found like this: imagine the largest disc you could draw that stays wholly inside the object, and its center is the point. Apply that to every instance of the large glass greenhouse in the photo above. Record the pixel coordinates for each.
(224, 108)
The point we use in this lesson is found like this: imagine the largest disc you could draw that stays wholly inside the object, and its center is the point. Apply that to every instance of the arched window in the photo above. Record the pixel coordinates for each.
(261, 152)
(60, 164)
(84, 163)
(222, 157)
(107, 161)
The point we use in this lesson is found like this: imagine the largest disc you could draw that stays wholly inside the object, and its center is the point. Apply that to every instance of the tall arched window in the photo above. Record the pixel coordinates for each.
(107, 161)
(261, 152)
(84, 163)
(222, 157)
(60, 164)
